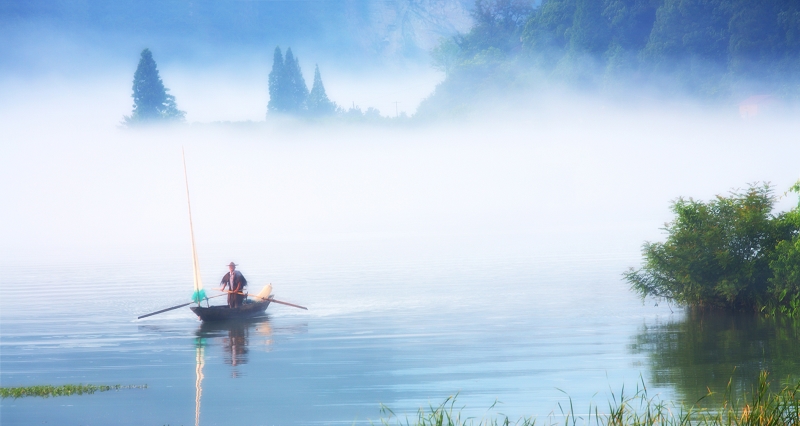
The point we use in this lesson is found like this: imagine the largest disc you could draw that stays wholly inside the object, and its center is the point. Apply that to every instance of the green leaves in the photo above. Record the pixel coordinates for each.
(731, 252)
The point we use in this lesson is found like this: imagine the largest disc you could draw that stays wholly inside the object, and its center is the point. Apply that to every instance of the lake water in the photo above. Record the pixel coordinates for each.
(528, 332)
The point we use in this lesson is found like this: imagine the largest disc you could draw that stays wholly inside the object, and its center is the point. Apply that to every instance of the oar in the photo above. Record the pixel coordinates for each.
(174, 307)
(272, 299)
(287, 303)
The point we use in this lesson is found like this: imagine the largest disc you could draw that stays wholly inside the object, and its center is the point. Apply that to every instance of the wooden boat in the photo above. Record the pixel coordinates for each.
(249, 309)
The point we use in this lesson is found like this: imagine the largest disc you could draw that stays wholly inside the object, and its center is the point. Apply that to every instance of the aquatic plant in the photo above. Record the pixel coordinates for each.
(46, 391)
(759, 407)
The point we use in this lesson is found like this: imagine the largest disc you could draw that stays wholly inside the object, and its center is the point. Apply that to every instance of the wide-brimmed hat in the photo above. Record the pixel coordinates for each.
(232, 264)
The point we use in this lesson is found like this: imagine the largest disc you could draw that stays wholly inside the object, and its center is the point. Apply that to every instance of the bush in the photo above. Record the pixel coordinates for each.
(731, 253)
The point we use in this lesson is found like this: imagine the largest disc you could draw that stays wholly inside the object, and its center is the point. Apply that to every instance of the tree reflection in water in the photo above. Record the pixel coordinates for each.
(706, 349)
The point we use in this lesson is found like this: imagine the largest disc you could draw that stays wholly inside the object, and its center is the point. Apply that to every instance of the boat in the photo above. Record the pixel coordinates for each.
(249, 309)
(252, 307)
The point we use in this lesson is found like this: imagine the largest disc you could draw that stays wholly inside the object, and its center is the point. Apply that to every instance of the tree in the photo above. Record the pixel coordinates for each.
(287, 88)
(497, 24)
(277, 85)
(690, 28)
(785, 265)
(630, 22)
(548, 25)
(296, 89)
(718, 254)
(151, 103)
(590, 30)
(318, 102)
(445, 55)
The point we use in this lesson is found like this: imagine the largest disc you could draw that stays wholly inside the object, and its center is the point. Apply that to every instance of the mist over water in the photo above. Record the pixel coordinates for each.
(565, 175)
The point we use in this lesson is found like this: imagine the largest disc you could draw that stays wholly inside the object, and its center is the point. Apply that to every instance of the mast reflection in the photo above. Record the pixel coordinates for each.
(235, 338)
(198, 383)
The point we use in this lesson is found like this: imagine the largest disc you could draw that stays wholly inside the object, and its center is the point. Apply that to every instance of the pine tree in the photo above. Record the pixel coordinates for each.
(318, 102)
(296, 89)
(277, 84)
(150, 99)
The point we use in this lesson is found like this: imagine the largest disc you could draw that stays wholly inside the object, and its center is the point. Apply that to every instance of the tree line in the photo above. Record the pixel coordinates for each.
(288, 94)
(712, 48)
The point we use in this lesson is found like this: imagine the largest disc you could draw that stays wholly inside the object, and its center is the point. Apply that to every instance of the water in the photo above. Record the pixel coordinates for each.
(402, 333)
(480, 258)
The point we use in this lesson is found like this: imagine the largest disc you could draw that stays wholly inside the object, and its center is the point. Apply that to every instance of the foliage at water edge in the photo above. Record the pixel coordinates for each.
(732, 252)
(760, 407)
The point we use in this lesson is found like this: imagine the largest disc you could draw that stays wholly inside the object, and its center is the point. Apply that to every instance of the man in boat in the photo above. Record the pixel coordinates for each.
(235, 282)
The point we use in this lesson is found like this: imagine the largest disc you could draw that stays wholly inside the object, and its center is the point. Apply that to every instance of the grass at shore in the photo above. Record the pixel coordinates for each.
(760, 407)
(46, 391)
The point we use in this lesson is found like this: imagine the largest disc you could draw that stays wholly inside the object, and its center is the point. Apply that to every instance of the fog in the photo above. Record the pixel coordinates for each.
(562, 175)
(550, 173)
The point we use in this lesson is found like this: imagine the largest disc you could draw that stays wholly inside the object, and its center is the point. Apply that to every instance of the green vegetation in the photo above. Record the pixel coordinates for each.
(760, 407)
(714, 49)
(47, 391)
(151, 103)
(731, 253)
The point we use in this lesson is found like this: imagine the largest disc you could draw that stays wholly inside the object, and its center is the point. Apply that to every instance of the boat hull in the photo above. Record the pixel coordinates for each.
(223, 312)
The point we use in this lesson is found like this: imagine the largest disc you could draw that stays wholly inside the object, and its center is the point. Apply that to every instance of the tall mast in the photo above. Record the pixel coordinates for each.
(198, 294)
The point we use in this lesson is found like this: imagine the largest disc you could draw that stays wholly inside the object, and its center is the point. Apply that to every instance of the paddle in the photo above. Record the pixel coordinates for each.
(287, 303)
(174, 307)
(270, 298)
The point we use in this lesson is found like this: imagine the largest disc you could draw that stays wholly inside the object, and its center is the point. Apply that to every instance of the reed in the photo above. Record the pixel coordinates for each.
(46, 391)
(760, 407)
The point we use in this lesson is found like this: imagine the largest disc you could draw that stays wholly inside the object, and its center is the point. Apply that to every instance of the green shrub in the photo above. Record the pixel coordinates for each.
(731, 252)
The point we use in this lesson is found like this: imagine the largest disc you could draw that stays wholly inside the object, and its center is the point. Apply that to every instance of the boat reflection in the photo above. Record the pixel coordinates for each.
(235, 337)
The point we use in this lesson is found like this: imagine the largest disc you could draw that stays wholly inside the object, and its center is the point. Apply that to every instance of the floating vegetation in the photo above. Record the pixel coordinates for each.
(760, 407)
(46, 391)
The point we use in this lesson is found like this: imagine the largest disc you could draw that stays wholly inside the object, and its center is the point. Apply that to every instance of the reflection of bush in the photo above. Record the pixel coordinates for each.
(707, 349)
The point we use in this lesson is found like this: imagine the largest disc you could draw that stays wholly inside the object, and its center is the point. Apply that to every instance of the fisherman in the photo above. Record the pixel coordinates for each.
(235, 282)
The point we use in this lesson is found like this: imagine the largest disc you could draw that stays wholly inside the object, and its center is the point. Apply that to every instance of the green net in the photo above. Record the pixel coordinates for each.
(198, 295)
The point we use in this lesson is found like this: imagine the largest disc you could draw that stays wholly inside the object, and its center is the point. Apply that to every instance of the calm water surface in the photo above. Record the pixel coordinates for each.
(405, 334)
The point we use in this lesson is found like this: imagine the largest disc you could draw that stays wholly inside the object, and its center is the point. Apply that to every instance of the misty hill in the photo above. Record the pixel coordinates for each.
(347, 27)
(709, 48)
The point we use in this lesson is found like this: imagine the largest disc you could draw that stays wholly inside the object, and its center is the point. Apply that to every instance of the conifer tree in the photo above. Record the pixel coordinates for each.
(150, 99)
(295, 84)
(277, 84)
(318, 102)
